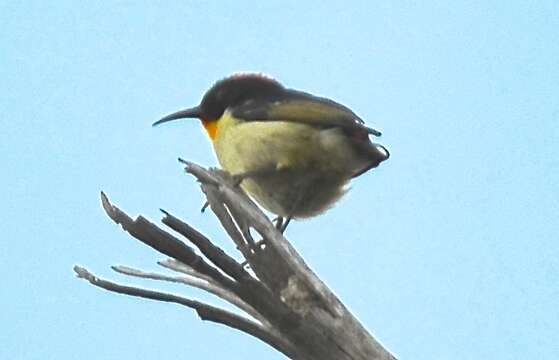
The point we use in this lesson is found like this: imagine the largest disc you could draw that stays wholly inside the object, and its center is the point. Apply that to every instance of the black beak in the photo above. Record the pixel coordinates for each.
(194, 112)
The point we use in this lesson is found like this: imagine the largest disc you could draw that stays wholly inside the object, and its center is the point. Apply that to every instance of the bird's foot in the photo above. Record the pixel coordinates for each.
(284, 226)
(281, 223)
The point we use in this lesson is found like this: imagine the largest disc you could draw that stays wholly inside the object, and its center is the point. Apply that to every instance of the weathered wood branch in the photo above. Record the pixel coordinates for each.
(197, 282)
(286, 304)
(205, 311)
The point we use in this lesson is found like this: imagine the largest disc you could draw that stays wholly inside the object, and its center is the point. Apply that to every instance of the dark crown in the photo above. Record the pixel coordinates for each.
(236, 90)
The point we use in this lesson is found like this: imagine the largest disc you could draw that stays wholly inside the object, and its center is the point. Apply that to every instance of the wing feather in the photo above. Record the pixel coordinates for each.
(304, 108)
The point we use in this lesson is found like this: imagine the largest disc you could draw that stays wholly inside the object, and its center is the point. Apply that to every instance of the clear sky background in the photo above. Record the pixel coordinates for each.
(449, 250)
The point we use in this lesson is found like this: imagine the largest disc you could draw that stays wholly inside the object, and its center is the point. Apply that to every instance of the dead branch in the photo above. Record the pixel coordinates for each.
(286, 304)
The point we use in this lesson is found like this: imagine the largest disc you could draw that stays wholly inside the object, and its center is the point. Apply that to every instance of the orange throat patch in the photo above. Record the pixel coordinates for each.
(211, 128)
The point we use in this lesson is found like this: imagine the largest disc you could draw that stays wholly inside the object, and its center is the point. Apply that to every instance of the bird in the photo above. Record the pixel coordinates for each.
(291, 151)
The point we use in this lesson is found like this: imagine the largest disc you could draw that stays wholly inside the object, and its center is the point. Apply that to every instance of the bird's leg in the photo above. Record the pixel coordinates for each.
(288, 218)
(284, 226)
(279, 222)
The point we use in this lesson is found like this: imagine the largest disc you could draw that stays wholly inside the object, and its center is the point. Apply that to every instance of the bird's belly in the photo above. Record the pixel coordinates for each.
(296, 170)
(281, 197)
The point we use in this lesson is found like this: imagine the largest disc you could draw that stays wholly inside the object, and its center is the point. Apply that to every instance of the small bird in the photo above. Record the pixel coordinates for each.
(293, 152)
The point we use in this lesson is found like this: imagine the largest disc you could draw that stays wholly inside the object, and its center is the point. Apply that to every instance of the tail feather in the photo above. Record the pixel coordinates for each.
(377, 154)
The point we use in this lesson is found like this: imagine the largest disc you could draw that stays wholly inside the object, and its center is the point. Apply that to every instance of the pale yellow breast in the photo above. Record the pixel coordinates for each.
(247, 146)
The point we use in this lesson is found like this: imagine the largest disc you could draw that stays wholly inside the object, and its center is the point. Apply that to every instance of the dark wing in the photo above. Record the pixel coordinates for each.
(303, 108)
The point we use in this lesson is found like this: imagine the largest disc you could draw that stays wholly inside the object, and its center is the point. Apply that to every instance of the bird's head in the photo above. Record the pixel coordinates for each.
(228, 93)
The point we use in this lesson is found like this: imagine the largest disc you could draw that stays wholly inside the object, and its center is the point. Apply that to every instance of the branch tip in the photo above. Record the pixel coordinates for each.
(184, 162)
(106, 203)
(121, 268)
(83, 273)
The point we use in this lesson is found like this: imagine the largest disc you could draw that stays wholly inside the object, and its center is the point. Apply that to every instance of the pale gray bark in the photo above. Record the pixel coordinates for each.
(283, 302)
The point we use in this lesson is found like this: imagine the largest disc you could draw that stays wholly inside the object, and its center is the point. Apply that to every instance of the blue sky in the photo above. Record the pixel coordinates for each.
(448, 250)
